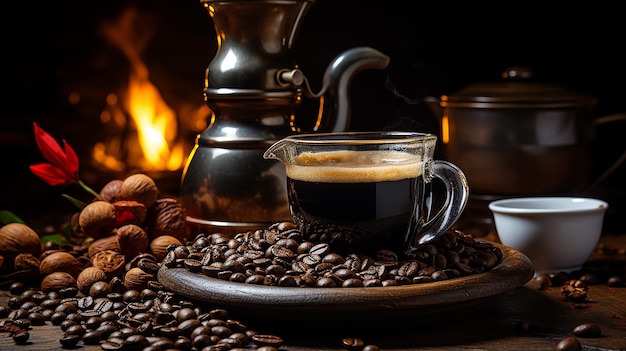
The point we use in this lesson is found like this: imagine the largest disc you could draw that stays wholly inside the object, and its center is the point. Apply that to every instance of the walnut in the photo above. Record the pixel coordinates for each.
(17, 238)
(130, 212)
(97, 219)
(141, 188)
(88, 277)
(137, 279)
(158, 245)
(29, 263)
(60, 262)
(132, 240)
(111, 262)
(106, 243)
(167, 217)
(111, 191)
(56, 281)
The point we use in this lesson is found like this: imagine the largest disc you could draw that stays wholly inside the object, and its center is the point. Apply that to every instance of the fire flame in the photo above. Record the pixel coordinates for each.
(154, 121)
(156, 125)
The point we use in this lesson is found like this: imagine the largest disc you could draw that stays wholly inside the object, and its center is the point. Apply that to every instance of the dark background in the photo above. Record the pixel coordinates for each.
(53, 48)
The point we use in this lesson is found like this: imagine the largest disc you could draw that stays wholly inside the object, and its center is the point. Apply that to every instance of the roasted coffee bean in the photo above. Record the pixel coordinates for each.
(103, 305)
(86, 302)
(17, 288)
(113, 344)
(267, 348)
(267, 340)
(106, 329)
(616, 282)
(182, 343)
(37, 318)
(19, 313)
(70, 341)
(21, 337)
(100, 289)
(57, 318)
(569, 344)
(588, 330)
(75, 329)
(148, 265)
(136, 342)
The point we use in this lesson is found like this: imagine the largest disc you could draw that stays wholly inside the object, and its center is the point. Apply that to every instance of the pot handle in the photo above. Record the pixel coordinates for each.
(620, 160)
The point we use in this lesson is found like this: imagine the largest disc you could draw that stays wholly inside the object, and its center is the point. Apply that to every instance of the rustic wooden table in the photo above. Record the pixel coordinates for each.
(526, 318)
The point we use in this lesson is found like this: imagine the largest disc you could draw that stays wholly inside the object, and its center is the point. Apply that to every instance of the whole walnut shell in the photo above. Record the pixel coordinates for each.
(57, 281)
(28, 262)
(158, 245)
(167, 217)
(137, 279)
(17, 238)
(60, 261)
(141, 188)
(111, 191)
(105, 243)
(88, 277)
(132, 240)
(97, 219)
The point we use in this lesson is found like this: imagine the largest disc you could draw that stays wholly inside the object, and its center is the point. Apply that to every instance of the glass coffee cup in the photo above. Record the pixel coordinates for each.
(365, 191)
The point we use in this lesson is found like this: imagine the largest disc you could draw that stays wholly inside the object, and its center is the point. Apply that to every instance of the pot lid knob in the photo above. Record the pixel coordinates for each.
(517, 72)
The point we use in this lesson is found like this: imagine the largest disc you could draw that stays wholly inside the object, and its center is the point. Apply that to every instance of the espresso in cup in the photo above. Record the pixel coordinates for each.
(366, 191)
(362, 200)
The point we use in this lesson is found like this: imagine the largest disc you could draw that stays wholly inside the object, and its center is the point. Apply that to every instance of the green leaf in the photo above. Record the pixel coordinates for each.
(57, 238)
(75, 201)
(7, 217)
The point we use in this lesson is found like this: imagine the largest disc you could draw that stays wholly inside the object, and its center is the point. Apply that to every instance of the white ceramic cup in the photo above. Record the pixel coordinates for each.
(558, 234)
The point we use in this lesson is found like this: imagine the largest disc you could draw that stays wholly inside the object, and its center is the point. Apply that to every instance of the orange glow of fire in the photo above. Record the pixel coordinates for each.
(140, 109)
(156, 126)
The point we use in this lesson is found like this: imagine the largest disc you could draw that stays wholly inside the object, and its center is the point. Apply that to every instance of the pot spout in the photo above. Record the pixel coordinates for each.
(335, 95)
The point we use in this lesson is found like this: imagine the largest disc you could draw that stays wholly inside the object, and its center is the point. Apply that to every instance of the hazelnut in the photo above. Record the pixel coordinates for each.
(167, 217)
(158, 245)
(97, 219)
(137, 279)
(56, 281)
(106, 243)
(141, 188)
(130, 212)
(132, 240)
(88, 277)
(17, 238)
(111, 191)
(60, 261)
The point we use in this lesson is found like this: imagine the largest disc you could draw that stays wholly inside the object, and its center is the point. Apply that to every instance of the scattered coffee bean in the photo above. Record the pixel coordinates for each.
(588, 330)
(616, 282)
(21, 337)
(569, 344)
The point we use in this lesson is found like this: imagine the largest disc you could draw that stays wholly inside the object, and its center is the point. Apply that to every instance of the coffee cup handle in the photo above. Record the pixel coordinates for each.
(457, 195)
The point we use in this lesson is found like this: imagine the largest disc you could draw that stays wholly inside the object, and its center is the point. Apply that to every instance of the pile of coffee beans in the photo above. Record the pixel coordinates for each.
(152, 319)
(279, 256)
(149, 320)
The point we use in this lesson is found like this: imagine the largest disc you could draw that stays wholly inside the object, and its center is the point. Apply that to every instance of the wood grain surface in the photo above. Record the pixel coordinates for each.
(492, 324)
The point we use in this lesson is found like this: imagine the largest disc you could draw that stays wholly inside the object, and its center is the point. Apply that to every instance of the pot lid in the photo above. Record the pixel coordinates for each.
(517, 90)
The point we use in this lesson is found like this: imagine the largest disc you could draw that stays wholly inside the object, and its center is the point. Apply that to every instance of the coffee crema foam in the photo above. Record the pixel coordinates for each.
(355, 166)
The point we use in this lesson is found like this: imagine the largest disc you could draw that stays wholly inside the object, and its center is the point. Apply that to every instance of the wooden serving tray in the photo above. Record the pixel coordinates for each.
(297, 303)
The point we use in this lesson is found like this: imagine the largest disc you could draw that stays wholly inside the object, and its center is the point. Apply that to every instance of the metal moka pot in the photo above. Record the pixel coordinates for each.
(253, 86)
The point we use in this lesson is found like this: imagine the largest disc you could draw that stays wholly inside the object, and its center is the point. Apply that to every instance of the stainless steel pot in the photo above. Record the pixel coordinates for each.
(518, 136)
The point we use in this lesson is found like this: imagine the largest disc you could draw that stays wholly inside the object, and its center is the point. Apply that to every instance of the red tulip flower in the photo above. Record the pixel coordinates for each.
(63, 166)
